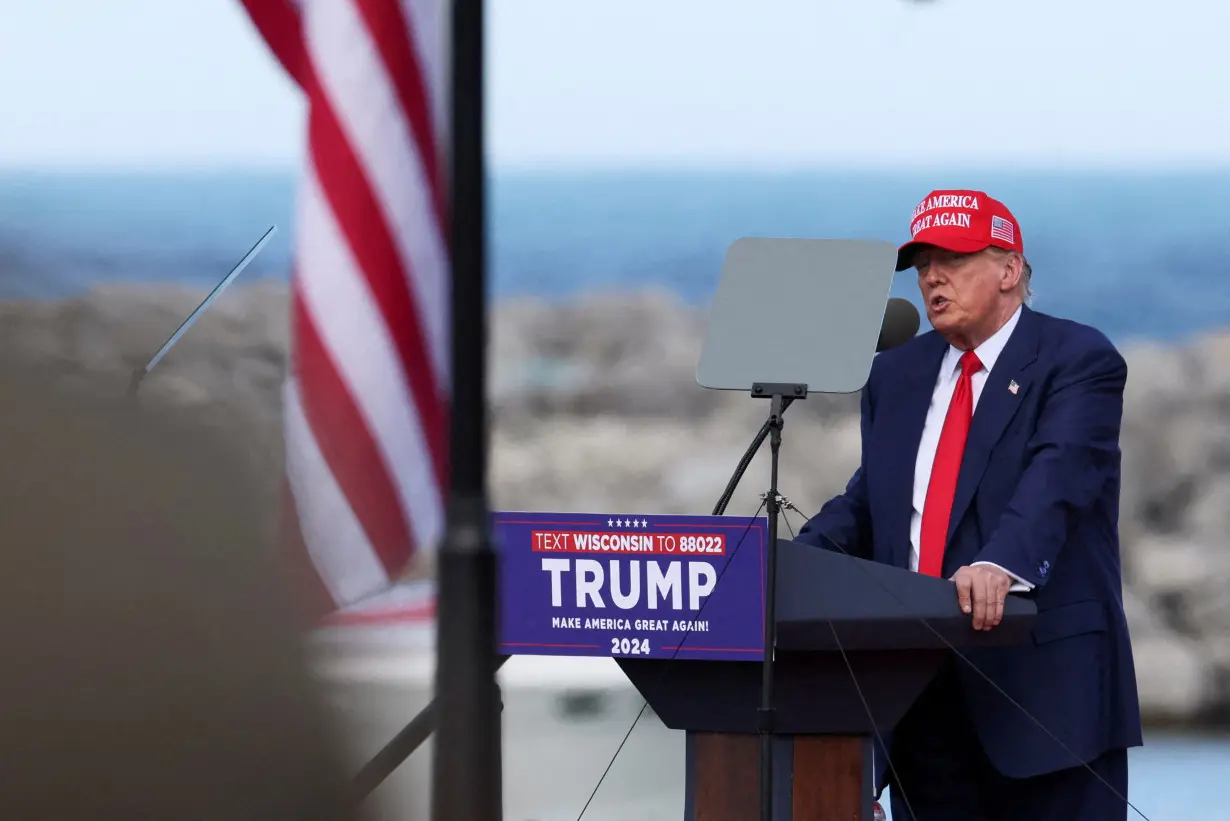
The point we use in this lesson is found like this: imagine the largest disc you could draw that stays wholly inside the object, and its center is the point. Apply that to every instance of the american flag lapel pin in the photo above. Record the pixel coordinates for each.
(1013, 387)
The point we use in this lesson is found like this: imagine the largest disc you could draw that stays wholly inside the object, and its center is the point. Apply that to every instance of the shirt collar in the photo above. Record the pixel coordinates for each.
(989, 350)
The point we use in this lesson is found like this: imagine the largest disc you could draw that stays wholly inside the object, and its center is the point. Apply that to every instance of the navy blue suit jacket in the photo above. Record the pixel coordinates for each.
(1038, 494)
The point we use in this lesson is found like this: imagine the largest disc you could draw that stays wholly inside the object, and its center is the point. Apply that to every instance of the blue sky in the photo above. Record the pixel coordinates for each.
(1122, 83)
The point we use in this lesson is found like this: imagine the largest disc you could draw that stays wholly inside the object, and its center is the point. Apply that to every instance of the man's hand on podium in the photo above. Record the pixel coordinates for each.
(982, 588)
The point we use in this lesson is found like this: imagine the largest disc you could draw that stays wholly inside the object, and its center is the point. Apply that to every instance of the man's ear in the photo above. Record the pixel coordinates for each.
(1010, 277)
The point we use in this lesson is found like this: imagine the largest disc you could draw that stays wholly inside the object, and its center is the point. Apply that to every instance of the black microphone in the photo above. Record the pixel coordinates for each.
(900, 325)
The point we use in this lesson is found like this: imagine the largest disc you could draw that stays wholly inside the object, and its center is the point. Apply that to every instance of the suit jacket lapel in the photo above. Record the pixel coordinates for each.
(902, 421)
(996, 406)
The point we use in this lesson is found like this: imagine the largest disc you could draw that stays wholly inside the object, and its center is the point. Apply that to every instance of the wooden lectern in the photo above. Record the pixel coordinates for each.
(896, 628)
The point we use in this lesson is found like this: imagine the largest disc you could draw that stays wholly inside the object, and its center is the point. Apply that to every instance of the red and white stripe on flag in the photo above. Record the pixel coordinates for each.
(366, 398)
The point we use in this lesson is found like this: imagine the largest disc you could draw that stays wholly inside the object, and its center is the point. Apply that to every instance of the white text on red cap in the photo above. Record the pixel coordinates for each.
(946, 201)
(944, 219)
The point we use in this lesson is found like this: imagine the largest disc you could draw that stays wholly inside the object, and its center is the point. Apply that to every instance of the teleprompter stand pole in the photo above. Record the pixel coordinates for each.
(779, 397)
(466, 775)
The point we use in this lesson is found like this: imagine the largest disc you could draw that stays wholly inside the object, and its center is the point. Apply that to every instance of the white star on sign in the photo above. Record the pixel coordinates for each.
(619, 522)
(610, 522)
(644, 523)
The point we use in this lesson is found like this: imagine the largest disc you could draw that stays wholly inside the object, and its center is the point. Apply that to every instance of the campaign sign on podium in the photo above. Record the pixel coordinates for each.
(652, 586)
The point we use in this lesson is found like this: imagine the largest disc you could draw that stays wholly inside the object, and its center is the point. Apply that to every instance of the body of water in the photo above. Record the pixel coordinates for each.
(1138, 256)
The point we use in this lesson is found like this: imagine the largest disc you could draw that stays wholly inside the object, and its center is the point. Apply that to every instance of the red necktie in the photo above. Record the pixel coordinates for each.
(944, 470)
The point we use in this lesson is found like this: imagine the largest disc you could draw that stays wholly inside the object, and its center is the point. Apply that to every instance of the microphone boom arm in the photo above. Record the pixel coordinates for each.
(749, 454)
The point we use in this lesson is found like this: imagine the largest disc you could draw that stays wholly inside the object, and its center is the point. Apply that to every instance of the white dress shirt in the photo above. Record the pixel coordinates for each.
(945, 384)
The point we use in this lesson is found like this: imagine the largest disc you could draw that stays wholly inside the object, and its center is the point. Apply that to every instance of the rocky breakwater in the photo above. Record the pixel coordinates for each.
(595, 407)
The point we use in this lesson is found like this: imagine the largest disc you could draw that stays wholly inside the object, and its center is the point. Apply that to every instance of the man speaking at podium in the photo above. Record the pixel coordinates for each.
(990, 456)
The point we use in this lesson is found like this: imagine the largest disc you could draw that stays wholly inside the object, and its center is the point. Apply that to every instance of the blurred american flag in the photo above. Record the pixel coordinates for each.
(366, 398)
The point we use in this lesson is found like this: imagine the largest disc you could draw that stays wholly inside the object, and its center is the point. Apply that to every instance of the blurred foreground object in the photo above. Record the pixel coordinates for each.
(151, 666)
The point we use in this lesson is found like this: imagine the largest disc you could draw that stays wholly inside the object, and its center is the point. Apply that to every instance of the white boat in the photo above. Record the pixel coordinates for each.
(564, 718)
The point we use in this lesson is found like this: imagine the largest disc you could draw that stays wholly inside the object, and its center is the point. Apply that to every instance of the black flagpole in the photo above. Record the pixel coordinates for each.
(466, 779)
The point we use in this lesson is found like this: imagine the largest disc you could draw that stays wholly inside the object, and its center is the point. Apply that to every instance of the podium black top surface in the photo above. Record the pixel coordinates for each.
(875, 606)
(896, 629)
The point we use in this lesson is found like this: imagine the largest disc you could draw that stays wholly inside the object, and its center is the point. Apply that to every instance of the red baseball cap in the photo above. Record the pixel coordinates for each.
(960, 221)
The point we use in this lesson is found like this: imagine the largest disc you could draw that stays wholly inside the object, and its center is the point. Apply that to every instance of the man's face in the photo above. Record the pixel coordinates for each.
(965, 295)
